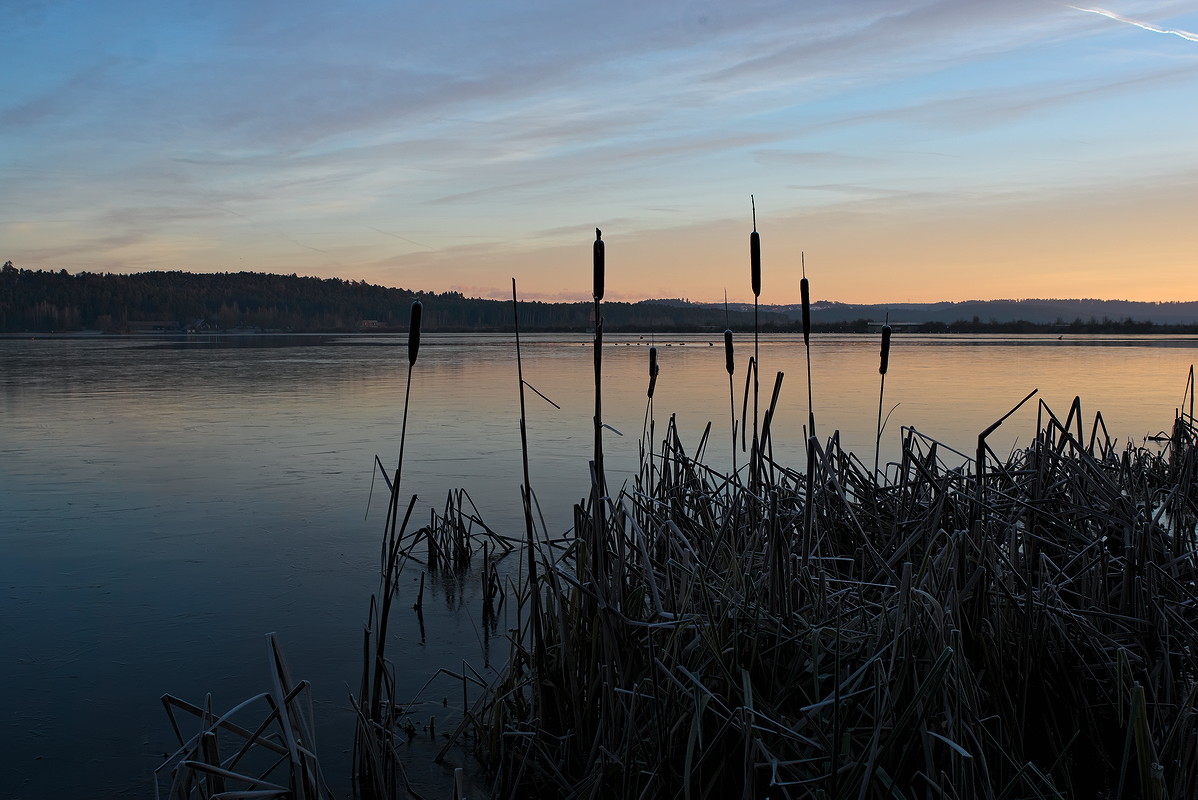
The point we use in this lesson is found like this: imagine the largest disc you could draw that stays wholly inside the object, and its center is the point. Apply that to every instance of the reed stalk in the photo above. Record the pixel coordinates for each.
(417, 312)
(883, 366)
(390, 558)
(598, 475)
(805, 298)
(647, 427)
(530, 543)
(376, 769)
(755, 281)
(730, 368)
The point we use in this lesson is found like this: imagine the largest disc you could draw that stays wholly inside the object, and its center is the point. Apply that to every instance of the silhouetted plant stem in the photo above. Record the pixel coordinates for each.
(980, 463)
(1190, 391)
(755, 277)
(530, 543)
(730, 366)
(413, 352)
(645, 446)
(653, 372)
(598, 480)
(812, 441)
(884, 364)
(805, 295)
(376, 709)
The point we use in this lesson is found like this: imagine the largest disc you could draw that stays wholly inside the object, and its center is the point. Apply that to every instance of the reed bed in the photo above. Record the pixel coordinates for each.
(941, 627)
(456, 534)
(1024, 630)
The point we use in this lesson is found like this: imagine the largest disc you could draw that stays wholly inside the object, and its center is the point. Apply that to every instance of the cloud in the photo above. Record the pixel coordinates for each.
(52, 104)
(1000, 106)
(87, 248)
(1189, 37)
(812, 158)
(908, 38)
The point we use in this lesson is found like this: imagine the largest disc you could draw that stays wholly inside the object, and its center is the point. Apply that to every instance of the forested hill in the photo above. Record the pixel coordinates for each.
(45, 301)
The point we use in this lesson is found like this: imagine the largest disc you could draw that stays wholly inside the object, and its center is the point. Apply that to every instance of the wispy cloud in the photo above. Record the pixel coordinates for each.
(1187, 35)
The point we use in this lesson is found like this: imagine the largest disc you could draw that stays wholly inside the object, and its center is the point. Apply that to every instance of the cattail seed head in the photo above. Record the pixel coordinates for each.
(805, 292)
(885, 349)
(598, 291)
(729, 362)
(653, 370)
(414, 332)
(755, 262)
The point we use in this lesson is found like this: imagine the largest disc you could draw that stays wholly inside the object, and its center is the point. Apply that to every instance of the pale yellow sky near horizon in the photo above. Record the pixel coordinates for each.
(1136, 244)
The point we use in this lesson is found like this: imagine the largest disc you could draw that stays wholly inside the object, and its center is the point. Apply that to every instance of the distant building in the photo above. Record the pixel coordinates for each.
(368, 324)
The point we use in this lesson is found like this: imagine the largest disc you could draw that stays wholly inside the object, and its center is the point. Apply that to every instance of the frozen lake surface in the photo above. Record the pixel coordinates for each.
(166, 502)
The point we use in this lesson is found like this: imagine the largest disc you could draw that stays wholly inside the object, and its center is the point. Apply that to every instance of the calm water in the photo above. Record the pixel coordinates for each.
(164, 504)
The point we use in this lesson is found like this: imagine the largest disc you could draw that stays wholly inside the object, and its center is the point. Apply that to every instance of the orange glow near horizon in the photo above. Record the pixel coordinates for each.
(1140, 249)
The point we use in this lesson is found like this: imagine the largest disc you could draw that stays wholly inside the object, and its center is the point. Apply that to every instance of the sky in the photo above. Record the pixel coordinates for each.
(905, 151)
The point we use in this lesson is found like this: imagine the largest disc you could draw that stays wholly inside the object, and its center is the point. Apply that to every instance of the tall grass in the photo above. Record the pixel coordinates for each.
(1044, 649)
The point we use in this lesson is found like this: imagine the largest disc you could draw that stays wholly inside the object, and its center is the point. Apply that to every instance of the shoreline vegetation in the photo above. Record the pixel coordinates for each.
(40, 302)
(943, 626)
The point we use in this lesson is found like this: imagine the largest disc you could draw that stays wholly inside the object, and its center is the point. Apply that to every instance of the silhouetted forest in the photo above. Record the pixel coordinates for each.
(47, 301)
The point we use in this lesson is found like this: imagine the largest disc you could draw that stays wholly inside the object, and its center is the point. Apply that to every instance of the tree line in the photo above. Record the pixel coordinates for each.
(48, 301)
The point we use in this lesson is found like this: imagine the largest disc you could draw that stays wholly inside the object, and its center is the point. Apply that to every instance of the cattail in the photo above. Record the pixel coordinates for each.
(882, 390)
(653, 370)
(729, 363)
(414, 333)
(755, 252)
(755, 261)
(805, 292)
(598, 292)
(885, 349)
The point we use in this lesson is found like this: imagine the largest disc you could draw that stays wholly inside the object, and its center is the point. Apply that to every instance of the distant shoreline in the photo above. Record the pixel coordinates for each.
(41, 302)
(1045, 334)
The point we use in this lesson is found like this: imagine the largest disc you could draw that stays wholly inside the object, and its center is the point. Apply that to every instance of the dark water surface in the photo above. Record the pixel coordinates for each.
(165, 503)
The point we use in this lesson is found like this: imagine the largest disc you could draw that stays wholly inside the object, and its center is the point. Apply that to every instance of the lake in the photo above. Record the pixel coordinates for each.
(166, 502)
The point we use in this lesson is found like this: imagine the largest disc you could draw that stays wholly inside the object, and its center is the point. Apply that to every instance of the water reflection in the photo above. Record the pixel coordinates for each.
(167, 503)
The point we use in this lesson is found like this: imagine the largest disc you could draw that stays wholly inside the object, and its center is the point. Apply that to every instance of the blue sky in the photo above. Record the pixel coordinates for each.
(913, 150)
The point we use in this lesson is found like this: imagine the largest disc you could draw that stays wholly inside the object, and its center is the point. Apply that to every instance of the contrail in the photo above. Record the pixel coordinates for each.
(397, 236)
(1189, 37)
